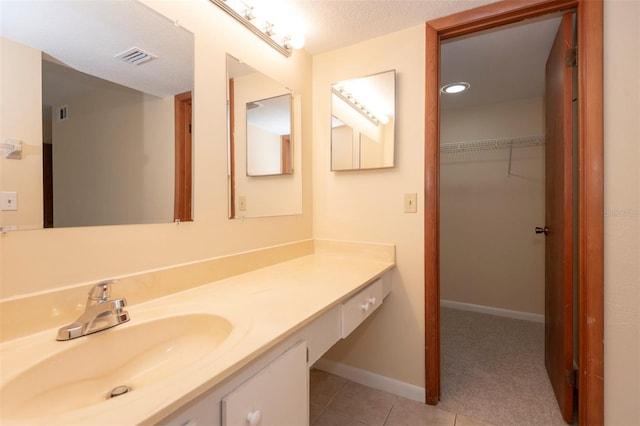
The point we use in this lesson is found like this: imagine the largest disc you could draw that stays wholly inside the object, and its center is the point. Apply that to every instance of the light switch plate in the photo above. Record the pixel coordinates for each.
(242, 200)
(8, 200)
(411, 202)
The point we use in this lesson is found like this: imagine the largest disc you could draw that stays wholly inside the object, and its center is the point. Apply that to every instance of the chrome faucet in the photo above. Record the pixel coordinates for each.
(100, 313)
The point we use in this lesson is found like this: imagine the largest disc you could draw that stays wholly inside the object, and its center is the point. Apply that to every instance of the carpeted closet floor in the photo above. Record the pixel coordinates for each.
(492, 374)
(493, 370)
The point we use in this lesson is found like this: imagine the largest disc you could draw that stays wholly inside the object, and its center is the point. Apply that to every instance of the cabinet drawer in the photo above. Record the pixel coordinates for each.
(360, 306)
(277, 395)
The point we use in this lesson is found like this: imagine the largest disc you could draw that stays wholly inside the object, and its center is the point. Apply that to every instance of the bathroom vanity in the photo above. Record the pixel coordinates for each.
(234, 351)
(274, 389)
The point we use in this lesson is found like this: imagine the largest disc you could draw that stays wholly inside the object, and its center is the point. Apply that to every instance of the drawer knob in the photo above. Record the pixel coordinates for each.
(372, 300)
(365, 306)
(254, 417)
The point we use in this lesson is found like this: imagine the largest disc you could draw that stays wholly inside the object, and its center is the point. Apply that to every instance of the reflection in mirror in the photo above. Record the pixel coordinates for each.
(363, 122)
(264, 140)
(269, 136)
(115, 145)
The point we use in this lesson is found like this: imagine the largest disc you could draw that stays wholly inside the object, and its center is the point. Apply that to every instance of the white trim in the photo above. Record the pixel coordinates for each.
(527, 316)
(373, 380)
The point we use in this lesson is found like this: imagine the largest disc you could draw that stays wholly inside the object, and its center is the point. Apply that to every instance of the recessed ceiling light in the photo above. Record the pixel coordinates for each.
(452, 88)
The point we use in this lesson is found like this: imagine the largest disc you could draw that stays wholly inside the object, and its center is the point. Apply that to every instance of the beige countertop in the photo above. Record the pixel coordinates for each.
(264, 306)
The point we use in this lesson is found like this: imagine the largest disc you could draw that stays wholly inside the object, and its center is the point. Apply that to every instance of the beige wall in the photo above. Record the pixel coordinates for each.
(159, 154)
(622, 212)
(41, 260)
(125, 139)
(368, 205)
(21, 115)
(489, 254)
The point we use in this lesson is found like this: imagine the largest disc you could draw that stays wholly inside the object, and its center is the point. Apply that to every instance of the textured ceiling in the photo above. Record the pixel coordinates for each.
(330, 24)
(502, 64)
(81, 35)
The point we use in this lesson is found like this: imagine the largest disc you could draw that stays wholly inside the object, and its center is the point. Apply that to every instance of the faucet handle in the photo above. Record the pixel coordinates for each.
(100, 293)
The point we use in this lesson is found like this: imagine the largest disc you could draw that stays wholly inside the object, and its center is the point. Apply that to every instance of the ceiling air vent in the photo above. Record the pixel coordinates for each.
(136, 56)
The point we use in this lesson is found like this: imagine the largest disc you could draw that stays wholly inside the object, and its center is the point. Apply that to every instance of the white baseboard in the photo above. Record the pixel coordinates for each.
(373, 380)
(492, 311)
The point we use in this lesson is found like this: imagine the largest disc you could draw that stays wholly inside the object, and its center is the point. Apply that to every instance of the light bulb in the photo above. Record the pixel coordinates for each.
(257, 10)
(249, 14)
(296, 41)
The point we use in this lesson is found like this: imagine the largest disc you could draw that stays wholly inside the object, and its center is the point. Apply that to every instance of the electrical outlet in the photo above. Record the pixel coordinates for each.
(411, 202)
(8, 200)
(242, 201)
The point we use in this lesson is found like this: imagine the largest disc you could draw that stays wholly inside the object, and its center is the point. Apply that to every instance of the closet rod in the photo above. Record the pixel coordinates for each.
(492, 144)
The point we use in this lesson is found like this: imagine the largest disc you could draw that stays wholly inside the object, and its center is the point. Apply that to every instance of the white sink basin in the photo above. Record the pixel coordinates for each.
(133, 355)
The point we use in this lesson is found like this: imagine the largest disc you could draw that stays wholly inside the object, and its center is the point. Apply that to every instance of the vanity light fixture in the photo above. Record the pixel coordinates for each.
(453, 88)
(358, 106)
(249, 17)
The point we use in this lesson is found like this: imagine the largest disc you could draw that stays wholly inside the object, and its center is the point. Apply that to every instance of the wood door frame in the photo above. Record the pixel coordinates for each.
(232, 148)
(183, 158)
(590, 193)
(285, 155)
(47, 184)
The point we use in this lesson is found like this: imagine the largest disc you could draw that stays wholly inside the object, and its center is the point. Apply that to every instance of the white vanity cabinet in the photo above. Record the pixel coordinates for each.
(274, 388)
(276, 383)
(277, 395)
(268, 392)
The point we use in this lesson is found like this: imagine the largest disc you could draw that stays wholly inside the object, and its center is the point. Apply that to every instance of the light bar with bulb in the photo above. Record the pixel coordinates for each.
(247, 16)
(358, 106)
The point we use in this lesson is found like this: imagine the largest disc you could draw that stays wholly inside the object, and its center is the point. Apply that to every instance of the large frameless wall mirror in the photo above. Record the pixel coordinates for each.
(117, 84)
(264, 144)
(363, 122)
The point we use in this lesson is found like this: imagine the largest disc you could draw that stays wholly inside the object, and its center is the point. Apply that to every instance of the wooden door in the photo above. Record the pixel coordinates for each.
(559, 218)
(47, 184)
(183, 160)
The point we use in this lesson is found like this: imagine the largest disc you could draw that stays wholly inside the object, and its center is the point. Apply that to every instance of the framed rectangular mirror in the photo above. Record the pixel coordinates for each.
(264, 144)
(106, 114)
(363, 122)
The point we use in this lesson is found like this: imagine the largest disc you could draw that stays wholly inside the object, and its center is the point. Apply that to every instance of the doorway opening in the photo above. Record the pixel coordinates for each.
(492, 197)
(590, 207)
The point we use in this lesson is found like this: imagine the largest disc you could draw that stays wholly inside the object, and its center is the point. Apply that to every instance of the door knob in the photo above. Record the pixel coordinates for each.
(544, 230)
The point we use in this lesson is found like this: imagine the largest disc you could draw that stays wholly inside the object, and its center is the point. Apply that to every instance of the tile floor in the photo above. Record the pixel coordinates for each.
(336, 401)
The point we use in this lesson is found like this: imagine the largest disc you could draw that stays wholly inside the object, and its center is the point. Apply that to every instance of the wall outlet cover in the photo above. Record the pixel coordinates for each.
(8, 200)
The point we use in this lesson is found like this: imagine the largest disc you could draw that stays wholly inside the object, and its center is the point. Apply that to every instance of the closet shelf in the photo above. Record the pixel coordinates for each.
(492, 144)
